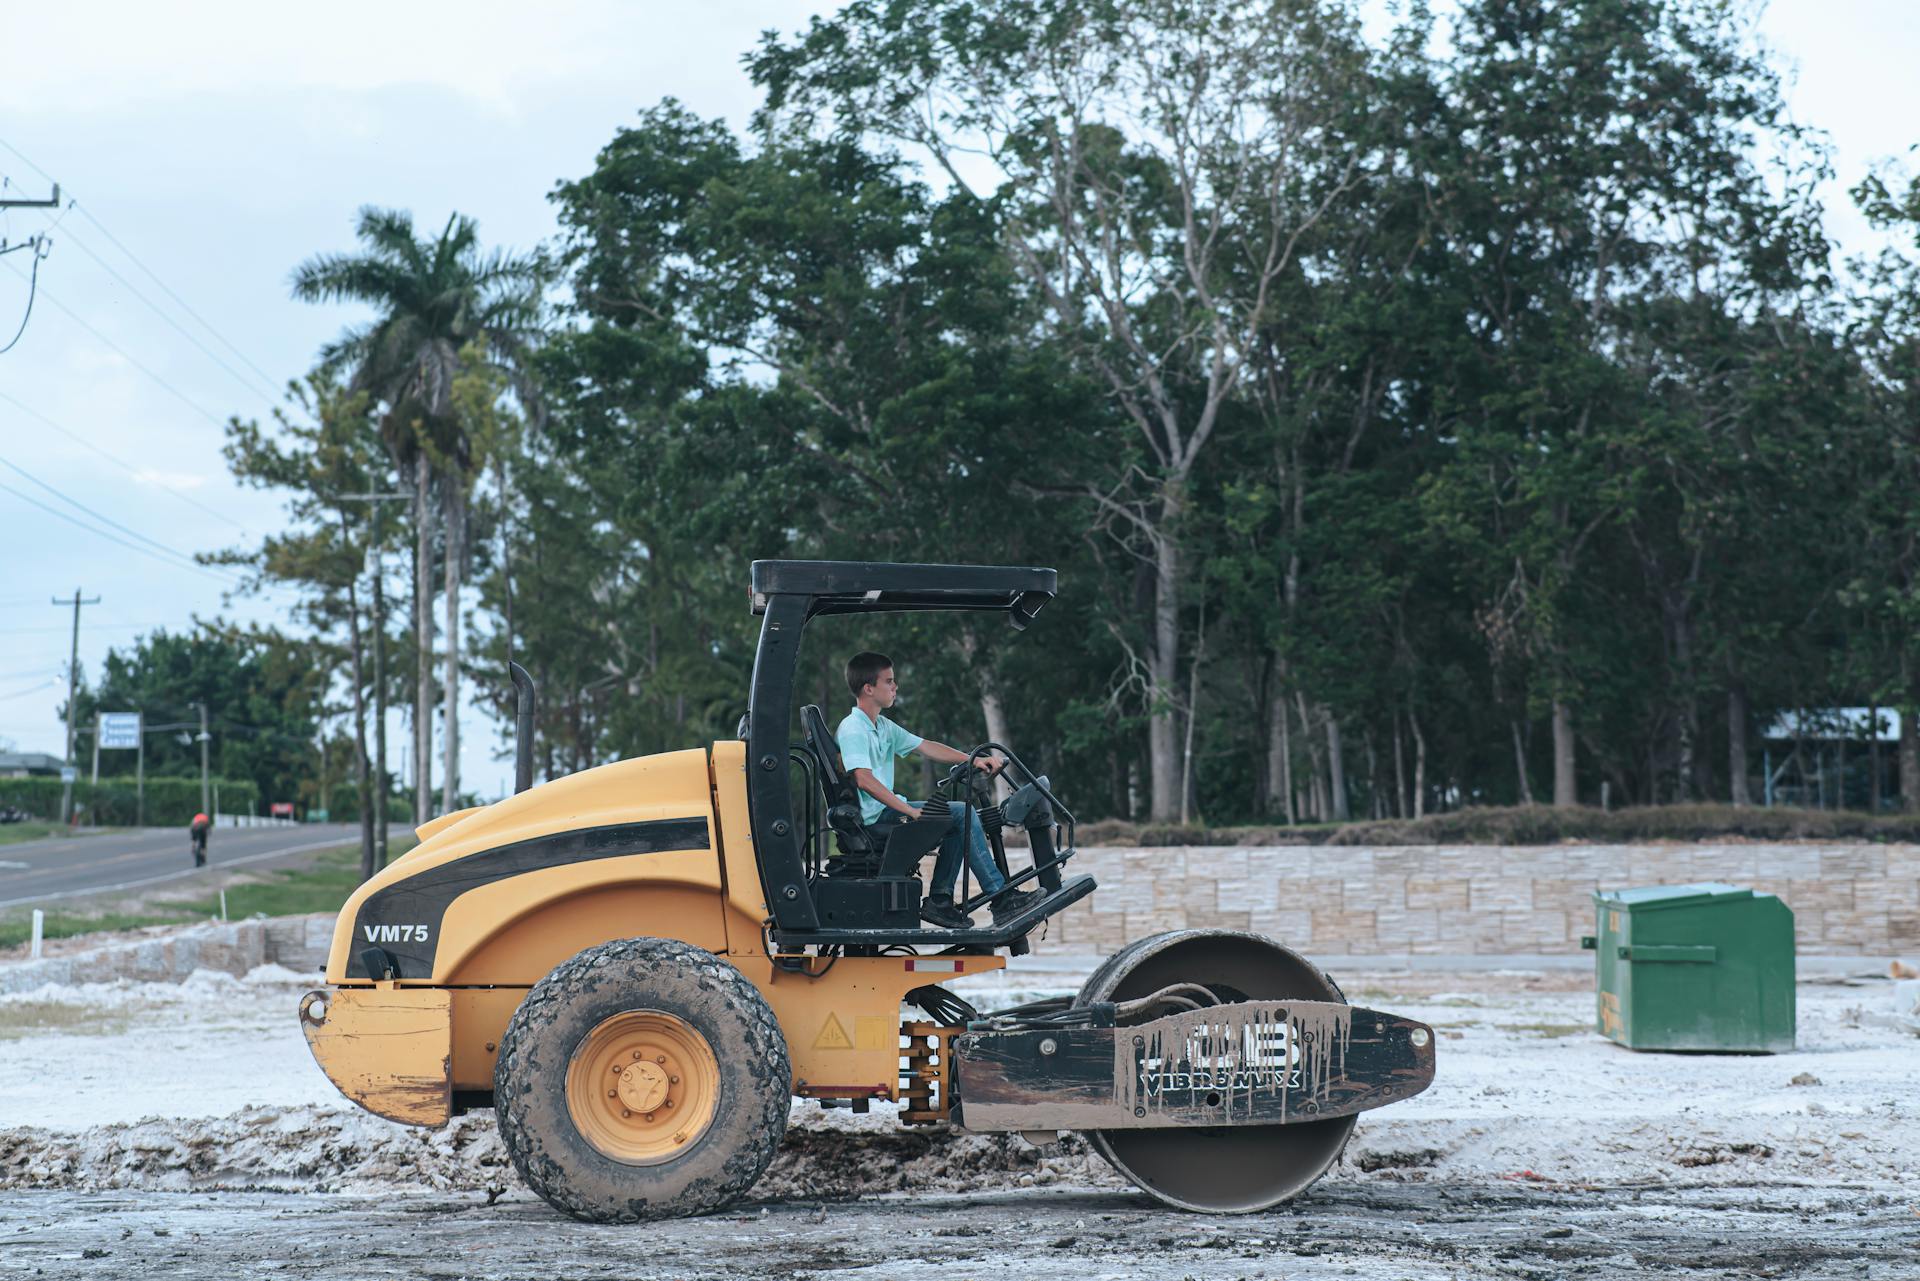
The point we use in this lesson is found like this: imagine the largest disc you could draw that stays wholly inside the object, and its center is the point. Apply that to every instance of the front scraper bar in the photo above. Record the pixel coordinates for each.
(1250, 1063)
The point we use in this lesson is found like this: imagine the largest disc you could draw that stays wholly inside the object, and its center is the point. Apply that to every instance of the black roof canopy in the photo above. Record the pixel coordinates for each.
(857, 586)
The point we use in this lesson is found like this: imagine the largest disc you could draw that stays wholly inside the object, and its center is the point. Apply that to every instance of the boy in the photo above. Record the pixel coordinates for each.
(869, 744)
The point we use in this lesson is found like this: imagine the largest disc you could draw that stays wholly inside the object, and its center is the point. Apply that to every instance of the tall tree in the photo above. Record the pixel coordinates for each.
(439, 302)
(1154, 167)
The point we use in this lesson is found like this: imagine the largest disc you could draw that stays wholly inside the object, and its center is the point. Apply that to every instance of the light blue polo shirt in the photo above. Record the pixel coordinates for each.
(867, 745)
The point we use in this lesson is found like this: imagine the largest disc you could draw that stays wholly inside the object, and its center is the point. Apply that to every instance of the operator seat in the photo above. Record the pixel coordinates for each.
(860, 851)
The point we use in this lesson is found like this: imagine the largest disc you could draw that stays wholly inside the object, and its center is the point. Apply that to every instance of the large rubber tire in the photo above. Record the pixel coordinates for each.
(703, 991)
(1226, 1169)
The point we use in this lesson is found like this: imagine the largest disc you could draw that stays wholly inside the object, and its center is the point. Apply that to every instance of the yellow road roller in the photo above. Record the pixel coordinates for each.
(639, 966)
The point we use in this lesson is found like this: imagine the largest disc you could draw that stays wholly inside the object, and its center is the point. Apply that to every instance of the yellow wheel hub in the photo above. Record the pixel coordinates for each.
(643, 1086)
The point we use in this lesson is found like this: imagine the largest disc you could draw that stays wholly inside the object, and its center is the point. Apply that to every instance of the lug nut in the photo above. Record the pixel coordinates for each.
(674, 1080)
(669, 1102)
(613, 1094)
(649, 1116)
(636, 1056)
(624, 1112)
(658, 1058)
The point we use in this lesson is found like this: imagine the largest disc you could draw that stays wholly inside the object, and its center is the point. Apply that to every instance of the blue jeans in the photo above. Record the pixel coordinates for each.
(946, 868)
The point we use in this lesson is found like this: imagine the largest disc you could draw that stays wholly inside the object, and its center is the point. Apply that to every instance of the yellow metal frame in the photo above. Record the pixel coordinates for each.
(842, 1018)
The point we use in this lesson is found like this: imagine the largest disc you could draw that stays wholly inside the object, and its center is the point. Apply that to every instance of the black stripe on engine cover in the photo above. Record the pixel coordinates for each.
(404, 918)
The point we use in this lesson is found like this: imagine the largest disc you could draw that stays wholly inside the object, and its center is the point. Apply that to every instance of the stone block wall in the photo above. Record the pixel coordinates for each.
(1848, 900)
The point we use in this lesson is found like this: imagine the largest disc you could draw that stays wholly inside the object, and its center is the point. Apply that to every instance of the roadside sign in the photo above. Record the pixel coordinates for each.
(281, 809)
(119, 729)
(68, 773)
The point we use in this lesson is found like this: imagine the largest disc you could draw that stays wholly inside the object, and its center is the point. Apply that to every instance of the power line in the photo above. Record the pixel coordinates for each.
(105, 520)
(120, 462)
(134, 258)
(112, 538)
(39, 246)
(170, 389)
(22, 693)
(174, 324)
(95, 627)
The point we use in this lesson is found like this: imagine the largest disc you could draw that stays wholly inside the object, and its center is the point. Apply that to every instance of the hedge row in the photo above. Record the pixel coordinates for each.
(1540, 825)
(115, 802)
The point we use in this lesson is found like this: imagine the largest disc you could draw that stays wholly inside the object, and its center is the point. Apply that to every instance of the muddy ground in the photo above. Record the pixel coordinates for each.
(1342, 1228)
(180, 1130)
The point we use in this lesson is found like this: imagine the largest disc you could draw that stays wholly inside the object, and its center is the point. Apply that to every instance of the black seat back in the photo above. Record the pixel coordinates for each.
(843, 798)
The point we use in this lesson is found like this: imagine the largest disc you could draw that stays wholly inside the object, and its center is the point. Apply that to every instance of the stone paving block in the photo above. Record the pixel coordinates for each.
(1809, 927)
(1538, 931)
(1294, 928)
(1312, 894)
(1825, 895)
(1406, 930)
(1855, 863)
(1572, 897)
(1866, 929)
(1894, 895)
(1219, 862)
(1496, 894)
(1446, 895)
(1903, 929)
(1786, 862)
(1339, 930)
(1341, 862)
(1374, 892)
(1401, 863)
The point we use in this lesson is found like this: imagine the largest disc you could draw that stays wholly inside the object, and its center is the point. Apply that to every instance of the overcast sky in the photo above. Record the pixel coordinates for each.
(223, 148)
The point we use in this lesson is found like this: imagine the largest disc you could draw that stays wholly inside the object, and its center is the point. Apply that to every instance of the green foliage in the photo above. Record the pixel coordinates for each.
(115, 801)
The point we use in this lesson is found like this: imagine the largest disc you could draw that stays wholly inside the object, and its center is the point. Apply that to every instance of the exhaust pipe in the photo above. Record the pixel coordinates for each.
(523, 730)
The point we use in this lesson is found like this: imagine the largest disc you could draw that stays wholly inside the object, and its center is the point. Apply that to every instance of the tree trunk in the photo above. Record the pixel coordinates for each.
(1336, 769)
(1188, 803)
(1564, 794)
(1400, 806)
(1737, 744)
(423, 644)
(362, 773)
(1419, 766)
(456, 541)
(1873, 757)
(382, 785)
(1520, 764)
(1280, 754)
(1909, 743)
(993, 710)
(1163, 670)
(1316, 781)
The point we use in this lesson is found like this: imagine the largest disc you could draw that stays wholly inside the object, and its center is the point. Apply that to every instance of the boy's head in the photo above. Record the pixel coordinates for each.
(870, 675)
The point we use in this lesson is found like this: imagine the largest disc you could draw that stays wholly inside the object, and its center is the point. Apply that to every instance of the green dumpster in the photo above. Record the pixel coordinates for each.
(1694, 967)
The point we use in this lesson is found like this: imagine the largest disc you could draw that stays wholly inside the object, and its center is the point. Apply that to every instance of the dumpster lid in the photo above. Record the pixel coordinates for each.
(1648, 897)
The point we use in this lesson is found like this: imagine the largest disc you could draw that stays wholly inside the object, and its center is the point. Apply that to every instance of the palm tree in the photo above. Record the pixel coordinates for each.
(438, 302)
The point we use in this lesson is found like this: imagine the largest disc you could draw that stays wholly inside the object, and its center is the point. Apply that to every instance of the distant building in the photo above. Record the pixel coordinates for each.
(29, 764)
(1832, 758)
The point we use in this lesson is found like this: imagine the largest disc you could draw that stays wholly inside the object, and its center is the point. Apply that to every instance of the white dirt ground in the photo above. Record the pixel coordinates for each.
(122, 1106)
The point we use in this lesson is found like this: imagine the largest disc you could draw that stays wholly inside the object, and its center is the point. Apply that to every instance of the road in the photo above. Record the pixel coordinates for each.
(1373, 1232)
(63, 867)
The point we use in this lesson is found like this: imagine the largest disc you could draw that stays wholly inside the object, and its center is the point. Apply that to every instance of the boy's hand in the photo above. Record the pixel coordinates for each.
(989, 764)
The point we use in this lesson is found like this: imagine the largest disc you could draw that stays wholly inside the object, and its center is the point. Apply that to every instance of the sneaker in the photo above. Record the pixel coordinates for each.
(1011, 904)
(943, 912)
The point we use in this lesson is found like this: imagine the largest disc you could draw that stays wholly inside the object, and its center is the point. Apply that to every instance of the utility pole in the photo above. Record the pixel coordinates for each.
(68, 769)
(50, 203)
(205, 798)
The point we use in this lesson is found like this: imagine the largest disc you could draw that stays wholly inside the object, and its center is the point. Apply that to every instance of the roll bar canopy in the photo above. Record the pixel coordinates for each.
(786, 593)
(856, 586)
